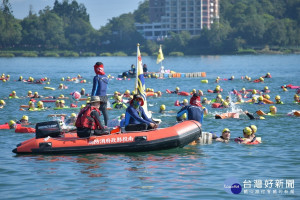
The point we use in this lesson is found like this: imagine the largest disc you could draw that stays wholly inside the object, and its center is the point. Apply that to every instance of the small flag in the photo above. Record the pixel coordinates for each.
(160, 55)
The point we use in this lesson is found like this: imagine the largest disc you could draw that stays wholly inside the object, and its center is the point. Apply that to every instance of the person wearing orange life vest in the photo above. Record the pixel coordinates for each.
(88, 120)
(19, 128)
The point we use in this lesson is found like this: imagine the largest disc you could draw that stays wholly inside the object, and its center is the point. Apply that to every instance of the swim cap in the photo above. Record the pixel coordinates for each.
(62, 101)
(184, 116)
(219, 96)
(36, 93)
(133, 92)
(272, 107)
(2, 102)
(73, 115)
(266, 88)
(82, 89)
(82, 106)
(119, 98)
(226, 130)
(122, 115)
(84, 81)
(261, 78)
(40, 103)
(225, 103)
(247, 131)
(29, 92)
(296, 95)
(116, 92)
(11, 122)
(177, 88)
(268, 73)
(267, 96)
(244, 89)
(62, 79)
(57, 101)
(277, 97)
(25, 117)
(185, 101)
(260, 98)
(254, 98)
(127, 92)
(217, 88)
(61, 85)
(254, 128)
(227, 97)
(163, 107)
(253, 91)
(159, 92)
(31, 102)
(261, 117)
(194, 90)
(61, 96)
(204, 99)
(13, 92)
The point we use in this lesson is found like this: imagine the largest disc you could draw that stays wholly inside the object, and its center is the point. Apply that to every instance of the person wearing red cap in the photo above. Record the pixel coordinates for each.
(100, 83)
(193, 111)
(135, 117)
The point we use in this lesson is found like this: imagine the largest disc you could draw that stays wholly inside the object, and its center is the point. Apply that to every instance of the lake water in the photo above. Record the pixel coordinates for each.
(270, 169)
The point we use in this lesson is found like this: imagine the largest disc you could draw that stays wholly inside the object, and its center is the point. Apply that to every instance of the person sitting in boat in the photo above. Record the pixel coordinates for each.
(136, 118)
(36, 95)
(296, 98)
(122, 120)
(277, 99)
(248, 137)
(23, 120)
(266, 90)
(88, 121)
(145, 69)
(71, 121)
(225, 137)
(132, 70)
(194, 111)
(13, 95)
(119, 103)
(2, 104)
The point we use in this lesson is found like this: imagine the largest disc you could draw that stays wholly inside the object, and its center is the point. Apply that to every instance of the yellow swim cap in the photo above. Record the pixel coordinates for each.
(40, 103)
(244, 89)
(84, 81)
(36, 93)
(247, 131)
(62, 96)
(62, 101)
(29, 92)
(254, 128)
(82, 106)
(272, 107)
(3, 80)
(25, 117)
(204, 99)
(194, 90)
(296, 95)
(219, 96)
(226, 130)
(82, 89)
(57, 101)
(7, 75)
(225, 103)
(267, 96)
(133, 92)
(119, 98)
(261, 117)
(116, 92)
(127, 92)
(13, 92)
(61, 85)
(158, 92)
(31, 102)
(266, 88)
(73, 114)
(62, 79)
(185, 101)
(177, 88)
(254, 98)
(11, 122)
(253, 91)
(163, 107)
(122, 115)
(277, 97)
(184, 116)
(260, 98)
(2, 102)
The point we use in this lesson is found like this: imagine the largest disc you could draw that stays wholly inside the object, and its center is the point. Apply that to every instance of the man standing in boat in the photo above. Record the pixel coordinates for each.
(88, 121)
(100, 83)
(136, 118)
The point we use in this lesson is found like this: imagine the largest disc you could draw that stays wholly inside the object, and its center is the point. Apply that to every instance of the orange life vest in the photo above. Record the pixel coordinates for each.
(21, 129)
(84, 119)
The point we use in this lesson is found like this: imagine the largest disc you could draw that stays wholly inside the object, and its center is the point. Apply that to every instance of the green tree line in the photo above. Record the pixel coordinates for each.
(243, 24)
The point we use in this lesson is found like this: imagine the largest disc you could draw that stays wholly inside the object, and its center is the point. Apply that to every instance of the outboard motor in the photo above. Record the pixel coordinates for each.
(50, 128)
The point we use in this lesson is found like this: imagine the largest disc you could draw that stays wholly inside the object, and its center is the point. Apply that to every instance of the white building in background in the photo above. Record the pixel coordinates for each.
(178, 15)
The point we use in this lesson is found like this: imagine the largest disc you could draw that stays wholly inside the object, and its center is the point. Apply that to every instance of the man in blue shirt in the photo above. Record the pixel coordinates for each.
(136, 118)
(100, 83)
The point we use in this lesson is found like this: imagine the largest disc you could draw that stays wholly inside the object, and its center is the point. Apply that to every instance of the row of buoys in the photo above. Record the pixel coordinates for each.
(180, 75)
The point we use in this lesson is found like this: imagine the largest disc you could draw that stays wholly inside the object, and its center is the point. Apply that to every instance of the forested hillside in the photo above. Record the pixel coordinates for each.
(244, 24)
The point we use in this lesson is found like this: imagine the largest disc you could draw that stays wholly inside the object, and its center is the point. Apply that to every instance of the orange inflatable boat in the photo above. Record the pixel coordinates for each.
(49, 140)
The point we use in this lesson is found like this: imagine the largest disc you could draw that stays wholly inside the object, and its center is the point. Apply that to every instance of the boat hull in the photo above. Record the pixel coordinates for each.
(159, 139)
